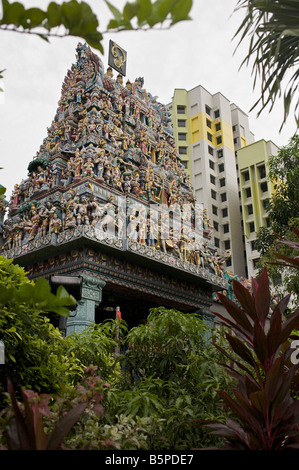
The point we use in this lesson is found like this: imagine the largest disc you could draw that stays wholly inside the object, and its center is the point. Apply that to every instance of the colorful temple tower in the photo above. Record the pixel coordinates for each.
(107, 208)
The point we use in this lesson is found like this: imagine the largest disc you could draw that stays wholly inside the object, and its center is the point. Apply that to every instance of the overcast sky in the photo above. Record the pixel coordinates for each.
(197, 52)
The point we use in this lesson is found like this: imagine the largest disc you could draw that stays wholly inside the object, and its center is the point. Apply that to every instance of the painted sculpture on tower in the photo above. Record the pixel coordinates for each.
(109, 162)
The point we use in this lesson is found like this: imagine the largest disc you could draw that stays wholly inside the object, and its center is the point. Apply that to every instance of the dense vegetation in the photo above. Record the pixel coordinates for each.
(150, 395)
(160, 387)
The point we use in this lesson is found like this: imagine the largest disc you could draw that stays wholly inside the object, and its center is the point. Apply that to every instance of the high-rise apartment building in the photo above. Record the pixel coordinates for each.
(256, 190)
(208, 130)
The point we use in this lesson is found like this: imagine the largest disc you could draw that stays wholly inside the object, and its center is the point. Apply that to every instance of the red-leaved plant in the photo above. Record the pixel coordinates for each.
(266, 416)
(26, 429)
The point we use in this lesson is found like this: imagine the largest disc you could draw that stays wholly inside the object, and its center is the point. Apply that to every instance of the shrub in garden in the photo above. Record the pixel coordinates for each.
(96, 345)
(265, 415)
(42, 422)
(35, 351)
(172, 375)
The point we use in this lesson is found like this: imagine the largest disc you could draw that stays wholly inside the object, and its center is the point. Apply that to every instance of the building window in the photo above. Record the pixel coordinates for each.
(246, 175)
(222, 182)
(227, 245)
(213, 194)
(219, 140)
(183, 150)
(181, 123)
(253, 245)
(182, 136)
(228, 262)
(208, 110)
(209, 123)
(250, 209)
(216, 242)
(262, 171)
(248, 192)
(220, 153)
(266, 204)
(212, 179)
(226, 228)
(215, 210)
(234, 128)
(209, 137)
(215, 225)
(235, 140)
(218, 126)
(255, 263)
(212, 164)
(223, 197)
(210, 150)
(251, 227)
(217, 113)
(185, 164)
(181, 109)
(221, 167)
(225, 212)
(264, 187)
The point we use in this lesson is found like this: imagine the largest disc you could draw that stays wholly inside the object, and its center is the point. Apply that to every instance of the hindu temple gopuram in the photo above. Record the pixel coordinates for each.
(107, 208)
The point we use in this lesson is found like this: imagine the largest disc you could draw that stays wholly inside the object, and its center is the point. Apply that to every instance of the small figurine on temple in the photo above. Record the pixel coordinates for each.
(8, 234)
(126, 186)
(82, 212)
(69, 217)
(17, 232)
(55, 223)
(67, 131)
(108, 173)
(44, 221)
(78, 164)
(91, 127)
(32, 224)
(116, 178)
(41, 176)
(109, 72)
(71, 168)
(15, 198)
(88, 167)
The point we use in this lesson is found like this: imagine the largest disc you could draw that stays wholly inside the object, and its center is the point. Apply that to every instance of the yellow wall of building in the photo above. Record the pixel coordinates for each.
(249, 158)
(181, 98)
(199, 131)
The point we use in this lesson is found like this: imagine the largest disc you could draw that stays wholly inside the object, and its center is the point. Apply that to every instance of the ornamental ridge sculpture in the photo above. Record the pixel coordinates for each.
(109, 170)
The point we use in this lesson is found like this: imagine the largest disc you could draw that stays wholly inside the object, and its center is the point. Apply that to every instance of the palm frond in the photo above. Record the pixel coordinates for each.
(272, 27)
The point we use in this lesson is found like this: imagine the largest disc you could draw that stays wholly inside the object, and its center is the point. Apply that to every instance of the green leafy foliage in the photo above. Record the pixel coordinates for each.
(283, 213)
(162, 346)
(35, 354)
(284, 175)
(76, 17)
(96, 345)
(272, 27)
(34, 425)
(265, 416)
(170, 374)
(290, 261)
(149, 14)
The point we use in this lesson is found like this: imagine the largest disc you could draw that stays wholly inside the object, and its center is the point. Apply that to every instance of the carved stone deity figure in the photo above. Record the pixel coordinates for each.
(88, 167)
(32, 224)
(55, 224)
(82, 212)
(8, 234)
(17, 232)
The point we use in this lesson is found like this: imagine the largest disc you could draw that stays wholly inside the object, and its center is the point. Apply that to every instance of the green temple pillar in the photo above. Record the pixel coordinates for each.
(208, 318)
(91, 296)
